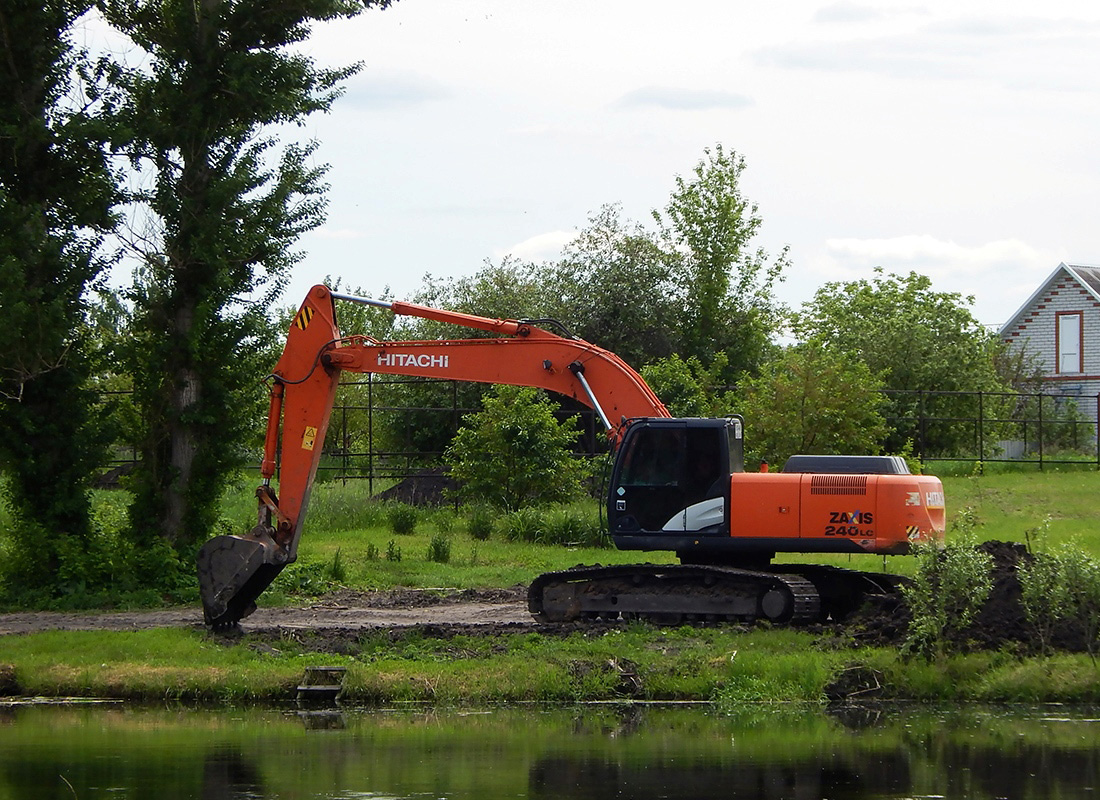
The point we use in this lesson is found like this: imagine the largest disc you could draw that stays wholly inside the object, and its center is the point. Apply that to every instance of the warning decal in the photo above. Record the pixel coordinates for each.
(309, 437)
(302, 318)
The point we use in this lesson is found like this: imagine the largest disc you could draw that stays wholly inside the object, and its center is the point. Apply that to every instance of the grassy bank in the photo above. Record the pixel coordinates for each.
(728, 666)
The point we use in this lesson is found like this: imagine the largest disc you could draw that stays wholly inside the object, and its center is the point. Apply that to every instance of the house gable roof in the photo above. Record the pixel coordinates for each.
(1086, 275)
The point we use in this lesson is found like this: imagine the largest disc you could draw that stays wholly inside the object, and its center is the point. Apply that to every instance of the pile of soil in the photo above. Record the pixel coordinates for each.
(428, 487)
(1002, 622)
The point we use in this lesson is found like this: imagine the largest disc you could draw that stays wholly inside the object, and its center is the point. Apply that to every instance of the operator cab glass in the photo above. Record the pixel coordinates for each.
(673, 476)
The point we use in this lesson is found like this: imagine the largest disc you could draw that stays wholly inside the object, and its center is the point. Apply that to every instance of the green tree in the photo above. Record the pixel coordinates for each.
(686, 388)
(515, 453)
(223, 204)
(614, 287)
(917, 340)
(726, 287)
(56, 197)
(813, 399)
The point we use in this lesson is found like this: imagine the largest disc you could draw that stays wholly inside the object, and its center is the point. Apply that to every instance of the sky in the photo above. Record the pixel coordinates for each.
(957, 139)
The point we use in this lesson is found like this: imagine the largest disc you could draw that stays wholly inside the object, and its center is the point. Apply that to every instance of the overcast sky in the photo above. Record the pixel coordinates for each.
(958, 139)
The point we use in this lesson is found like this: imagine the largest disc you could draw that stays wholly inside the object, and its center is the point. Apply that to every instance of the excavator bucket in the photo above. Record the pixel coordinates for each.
(233, 572)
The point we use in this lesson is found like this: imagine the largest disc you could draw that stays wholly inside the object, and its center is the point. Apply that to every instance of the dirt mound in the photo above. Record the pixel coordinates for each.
(884, 620)
(429, 487)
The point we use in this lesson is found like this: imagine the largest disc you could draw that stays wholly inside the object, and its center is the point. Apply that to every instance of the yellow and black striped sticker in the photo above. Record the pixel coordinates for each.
(302, 318)
(912, 531)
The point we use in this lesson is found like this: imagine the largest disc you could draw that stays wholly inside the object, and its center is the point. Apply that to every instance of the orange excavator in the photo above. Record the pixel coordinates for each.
(675, 484)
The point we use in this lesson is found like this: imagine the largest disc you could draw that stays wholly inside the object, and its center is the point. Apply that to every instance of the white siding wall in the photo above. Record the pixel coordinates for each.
(1036, 328)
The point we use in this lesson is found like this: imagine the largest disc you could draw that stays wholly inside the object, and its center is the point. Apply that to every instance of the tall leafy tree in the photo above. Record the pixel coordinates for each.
(918, 341)
(223, 203)
(614, 287)
(725, 285)
(56, 196)
(813, 399)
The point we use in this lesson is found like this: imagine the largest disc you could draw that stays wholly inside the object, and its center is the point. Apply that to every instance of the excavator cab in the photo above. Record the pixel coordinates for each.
(672, 479)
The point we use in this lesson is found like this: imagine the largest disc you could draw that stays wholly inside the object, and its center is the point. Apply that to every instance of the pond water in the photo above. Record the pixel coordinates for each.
(603, 752)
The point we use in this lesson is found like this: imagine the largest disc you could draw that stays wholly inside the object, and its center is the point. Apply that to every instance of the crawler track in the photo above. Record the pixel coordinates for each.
(672, 593)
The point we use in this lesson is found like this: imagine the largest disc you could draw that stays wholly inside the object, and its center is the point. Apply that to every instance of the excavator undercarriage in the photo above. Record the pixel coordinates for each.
(792, 594)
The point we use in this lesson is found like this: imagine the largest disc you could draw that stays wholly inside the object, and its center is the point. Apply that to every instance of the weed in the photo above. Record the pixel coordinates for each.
(336, 571)
(403, 518)
(481, 523)
(393, 552)
(522, 525)
(439, 549)
(373, 553)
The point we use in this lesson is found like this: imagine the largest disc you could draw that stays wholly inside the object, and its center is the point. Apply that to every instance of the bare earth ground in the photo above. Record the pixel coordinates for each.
(345, 610)
(341, 617)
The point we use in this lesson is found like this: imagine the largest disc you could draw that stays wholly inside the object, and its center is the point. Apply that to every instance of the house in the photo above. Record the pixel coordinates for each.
(1060, 323)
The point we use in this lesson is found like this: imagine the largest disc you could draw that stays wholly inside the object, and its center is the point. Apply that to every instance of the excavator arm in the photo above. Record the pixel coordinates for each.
(234, 570)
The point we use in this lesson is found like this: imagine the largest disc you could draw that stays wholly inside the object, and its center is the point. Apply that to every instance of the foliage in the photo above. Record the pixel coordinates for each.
(945, 596)
(687, 388)
(614, 286)
(480, 525)
(214, 224)
(813, 399)
(514, 452)
(726, 289)
(439, 549)
(403, 518)
(914, 338)
(1044, 594)
(56, 198)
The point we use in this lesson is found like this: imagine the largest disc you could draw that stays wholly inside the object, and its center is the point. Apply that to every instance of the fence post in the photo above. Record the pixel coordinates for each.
(921, 423)
(981, 433)
(370, 434)
(1040, 431)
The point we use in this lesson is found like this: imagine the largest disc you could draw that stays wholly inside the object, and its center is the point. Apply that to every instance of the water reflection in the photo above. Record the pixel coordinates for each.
(628, 752)
(229, 775)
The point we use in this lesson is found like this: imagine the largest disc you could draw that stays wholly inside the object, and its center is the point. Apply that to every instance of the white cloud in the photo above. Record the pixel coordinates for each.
(999, 49)
(680, 99)
(999, 275)
(543, 247)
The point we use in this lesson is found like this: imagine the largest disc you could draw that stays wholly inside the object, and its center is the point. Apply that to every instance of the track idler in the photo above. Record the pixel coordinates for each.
(233, 571)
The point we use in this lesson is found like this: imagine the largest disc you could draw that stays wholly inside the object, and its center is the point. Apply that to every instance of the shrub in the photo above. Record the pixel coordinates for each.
(523, 525)
(403, 518)
(514, 452)
(946, 594)
(393, 552)
(439, 549)
(481, 523)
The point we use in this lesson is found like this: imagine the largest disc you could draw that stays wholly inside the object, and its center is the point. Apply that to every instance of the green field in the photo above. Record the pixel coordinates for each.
(1055, 508)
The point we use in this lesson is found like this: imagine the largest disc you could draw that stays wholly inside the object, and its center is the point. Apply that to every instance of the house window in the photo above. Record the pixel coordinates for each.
(1068, 341)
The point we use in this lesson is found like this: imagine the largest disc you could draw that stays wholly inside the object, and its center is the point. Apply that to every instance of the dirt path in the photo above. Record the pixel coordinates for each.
(345, 610)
